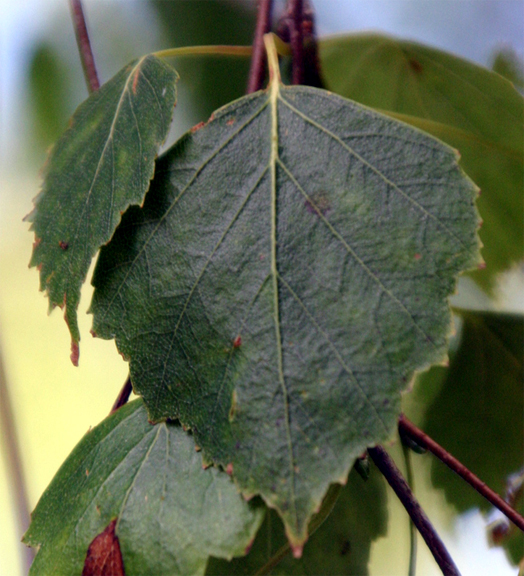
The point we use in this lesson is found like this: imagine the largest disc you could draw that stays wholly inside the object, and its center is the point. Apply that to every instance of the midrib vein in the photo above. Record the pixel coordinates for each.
(274, 94)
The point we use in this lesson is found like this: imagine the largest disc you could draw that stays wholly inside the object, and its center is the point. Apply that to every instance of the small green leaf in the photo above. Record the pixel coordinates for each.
(340, 546)
(101, 165)
(467, 106)
(170, 513)
(288, 273)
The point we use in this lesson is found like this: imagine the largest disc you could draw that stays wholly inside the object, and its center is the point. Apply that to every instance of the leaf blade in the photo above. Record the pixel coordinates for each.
(101, 165)
(169, 513)
(263, 274)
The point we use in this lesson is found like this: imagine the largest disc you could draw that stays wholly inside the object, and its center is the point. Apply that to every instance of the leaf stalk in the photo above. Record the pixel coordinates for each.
(263, 26)
(210, 50)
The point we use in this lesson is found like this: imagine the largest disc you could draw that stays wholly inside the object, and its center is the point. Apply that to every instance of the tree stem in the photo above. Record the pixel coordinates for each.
(297, 41)
(84, 46)
(14, 465)
(258, 60)
(394, 478)
(123, 396)
(407, 427)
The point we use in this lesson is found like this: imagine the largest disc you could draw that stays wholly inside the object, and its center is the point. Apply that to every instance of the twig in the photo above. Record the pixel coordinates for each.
(123, 396)
(297, 41)
(412, 528)
(14, 465)
(392, 474)
(308, 60)
(84, 46)
(256, 72)
(407, 427)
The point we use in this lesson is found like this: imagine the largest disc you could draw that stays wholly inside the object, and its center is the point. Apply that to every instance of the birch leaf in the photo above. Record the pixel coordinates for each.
(100, 166)
(287, 275)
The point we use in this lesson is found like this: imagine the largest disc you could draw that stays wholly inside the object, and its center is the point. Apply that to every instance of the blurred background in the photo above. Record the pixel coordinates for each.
(41, 84)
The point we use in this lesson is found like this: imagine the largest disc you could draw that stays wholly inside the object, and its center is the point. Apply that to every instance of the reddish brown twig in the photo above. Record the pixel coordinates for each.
(123, 396)
(395, 479)
(297, 41)
(422, 439)
(84, 46)
(258, 60)
(306, 61)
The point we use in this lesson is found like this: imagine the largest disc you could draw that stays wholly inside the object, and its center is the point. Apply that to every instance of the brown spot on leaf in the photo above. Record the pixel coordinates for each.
(318, 204)
(197, 127)
(229, 468)
(237, 342)
(415, 65)
(135, 81)
(481, 266)
(418, 256)
(233, 408)
(63, 245)
(230, 122)
(103, 555)
(345, 548)
(36, 242)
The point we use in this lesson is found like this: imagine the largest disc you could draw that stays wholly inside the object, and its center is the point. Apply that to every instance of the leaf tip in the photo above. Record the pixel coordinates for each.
(75, 352)
(297, 550)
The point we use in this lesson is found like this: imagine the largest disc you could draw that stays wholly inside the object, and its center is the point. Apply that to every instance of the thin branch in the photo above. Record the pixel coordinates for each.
(307, 57)
(14, 465)
(84, 46)
(407, 427)
(297, 41)
(392, 474)
(412, 528)
(123, 396)
(258, 60)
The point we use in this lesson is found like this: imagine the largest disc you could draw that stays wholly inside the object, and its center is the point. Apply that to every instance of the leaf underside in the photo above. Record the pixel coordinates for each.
(465, 105)
(288, 273)
(170, 513)
(100, 166)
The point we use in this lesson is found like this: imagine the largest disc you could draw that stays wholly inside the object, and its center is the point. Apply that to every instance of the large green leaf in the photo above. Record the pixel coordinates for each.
(340, 546)
(288, 273)
(101, 165)
(467, 106)
(171, 514)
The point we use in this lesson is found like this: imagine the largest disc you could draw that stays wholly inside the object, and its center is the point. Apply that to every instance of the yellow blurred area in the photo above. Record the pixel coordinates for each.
(54, 403)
